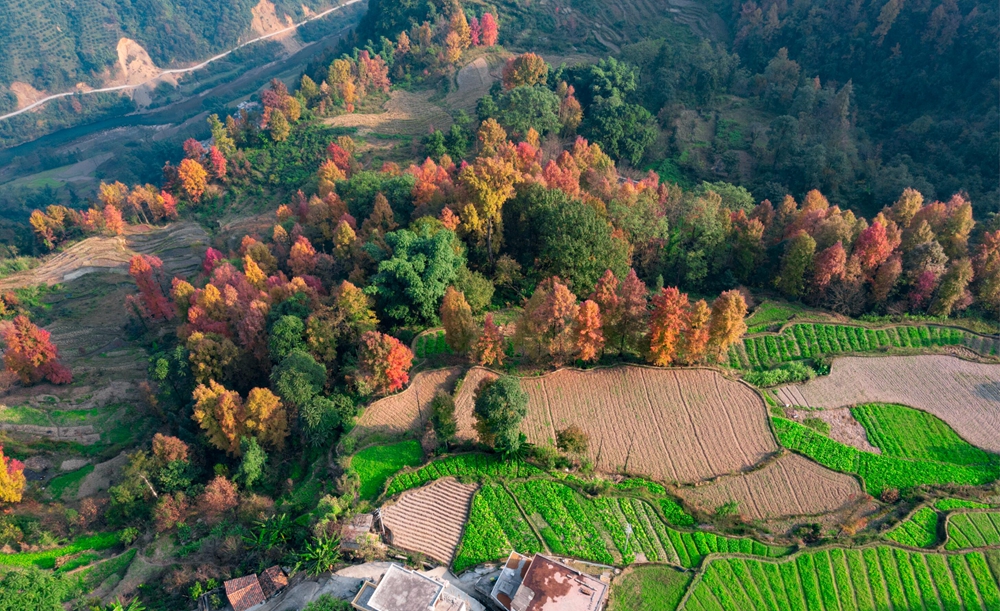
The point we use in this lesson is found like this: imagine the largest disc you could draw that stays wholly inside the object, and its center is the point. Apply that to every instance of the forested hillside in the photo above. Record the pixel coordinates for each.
(53, 45)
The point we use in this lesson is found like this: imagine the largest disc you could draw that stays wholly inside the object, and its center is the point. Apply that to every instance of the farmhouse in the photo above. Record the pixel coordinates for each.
(401, 589)
(250, 590)
(542, 584)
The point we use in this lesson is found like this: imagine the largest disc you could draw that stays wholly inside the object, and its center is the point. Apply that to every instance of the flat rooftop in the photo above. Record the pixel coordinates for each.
(544, 584)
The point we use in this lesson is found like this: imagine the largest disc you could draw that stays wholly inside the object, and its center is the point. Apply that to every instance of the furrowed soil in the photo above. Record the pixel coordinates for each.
(965, 395)
(430, 519)
(681, 425)
(789, 486)
(408, 410)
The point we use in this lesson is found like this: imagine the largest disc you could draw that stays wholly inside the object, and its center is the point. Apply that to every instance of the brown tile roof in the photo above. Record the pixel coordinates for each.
(272, 580)
(244, 592)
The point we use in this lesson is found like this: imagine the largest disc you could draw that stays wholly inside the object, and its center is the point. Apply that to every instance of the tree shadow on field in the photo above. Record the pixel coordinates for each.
(989, 391)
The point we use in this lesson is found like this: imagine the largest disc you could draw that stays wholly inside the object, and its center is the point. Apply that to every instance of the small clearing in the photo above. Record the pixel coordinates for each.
(408, 410)
(474, 82)
(789, 486)
(430, 519)
(965, 395)
(681, 425)
(406, 112)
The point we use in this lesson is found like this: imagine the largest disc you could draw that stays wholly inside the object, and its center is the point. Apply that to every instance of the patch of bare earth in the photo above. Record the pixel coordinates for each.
(965, 395)
(843, 427)
(789, 486)
(681, 425)
(430, 519)
(408, 410)
(26, 94)
(406, 112)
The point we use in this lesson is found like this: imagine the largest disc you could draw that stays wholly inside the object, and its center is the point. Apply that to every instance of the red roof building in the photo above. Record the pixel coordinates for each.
(272, 580)
(244, 592)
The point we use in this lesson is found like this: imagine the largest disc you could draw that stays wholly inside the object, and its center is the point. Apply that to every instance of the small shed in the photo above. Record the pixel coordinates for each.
(244, 592)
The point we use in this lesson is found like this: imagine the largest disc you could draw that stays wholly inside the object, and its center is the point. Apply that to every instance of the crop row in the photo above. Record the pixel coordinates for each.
(808, 340)
(848, 580)
(598, 529)
(974, 529)
(879, 471)
(469, 465)
(431, 344)
(495, 528)
(920, 530)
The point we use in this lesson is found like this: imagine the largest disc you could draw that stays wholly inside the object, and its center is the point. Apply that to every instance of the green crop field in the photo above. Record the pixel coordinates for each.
(949, 504)
(495, 527)
(874, 578)
(920, 530)
(904, 432)
(809, 340)
(470, 465)
(376, 464)
(769, 314)
(46, 559)
(649, 588)
(973, 529)
(879, 472)
(590, 529)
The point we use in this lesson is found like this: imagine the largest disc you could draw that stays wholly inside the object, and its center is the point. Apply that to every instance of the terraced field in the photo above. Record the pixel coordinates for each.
(430, 519)
(673, 425)
(809, 340)
(790, 486)
(406, 411)
(868, 579)
(495, 527)
(973, 529)
(470, 465)
(963, 394)
(596, 529)
(919, 530)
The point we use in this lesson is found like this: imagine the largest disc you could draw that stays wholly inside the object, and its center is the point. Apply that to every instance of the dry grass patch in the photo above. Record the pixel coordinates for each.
(406, 112)
(430, 519)
(789, 486)
(680, 425)
(965, 395)
(408, 410)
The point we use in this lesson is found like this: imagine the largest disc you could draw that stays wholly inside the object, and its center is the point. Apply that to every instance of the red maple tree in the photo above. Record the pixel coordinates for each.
(31, 354)
(383, 363)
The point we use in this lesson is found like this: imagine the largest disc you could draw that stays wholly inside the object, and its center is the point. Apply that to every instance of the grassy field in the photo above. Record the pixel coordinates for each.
(949, 504)
(973, 529)
(769, 315)
(46, 559)
(431, 343)
(879, 472)
(810, 340)
(868, 579)
(910, 433)
(920, 530)
(649, 588)
(68, 481)
(376, 464)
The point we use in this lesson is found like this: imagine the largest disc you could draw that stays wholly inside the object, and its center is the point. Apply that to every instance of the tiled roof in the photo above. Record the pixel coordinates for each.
(244, 592)
(272, 580)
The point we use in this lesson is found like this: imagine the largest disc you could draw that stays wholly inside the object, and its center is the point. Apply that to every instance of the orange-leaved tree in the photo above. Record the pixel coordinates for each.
(524, 70)
(31, 354)
(587, 328)
(666, 324)
(489, 349)
(193, 178)
(146, 271)
(383, 363)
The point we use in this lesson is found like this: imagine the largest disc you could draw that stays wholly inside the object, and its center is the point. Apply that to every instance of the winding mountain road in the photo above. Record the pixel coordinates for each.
(178, 70)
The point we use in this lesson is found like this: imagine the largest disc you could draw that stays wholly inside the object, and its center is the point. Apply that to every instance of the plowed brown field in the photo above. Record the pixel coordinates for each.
(790, 486)
(680, 425)
(965, 395)
(407, 410)
(430, 519)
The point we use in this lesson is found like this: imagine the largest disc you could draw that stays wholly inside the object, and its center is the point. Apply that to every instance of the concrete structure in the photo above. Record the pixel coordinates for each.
(352, 532)
(401, 589)
(543, 584)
